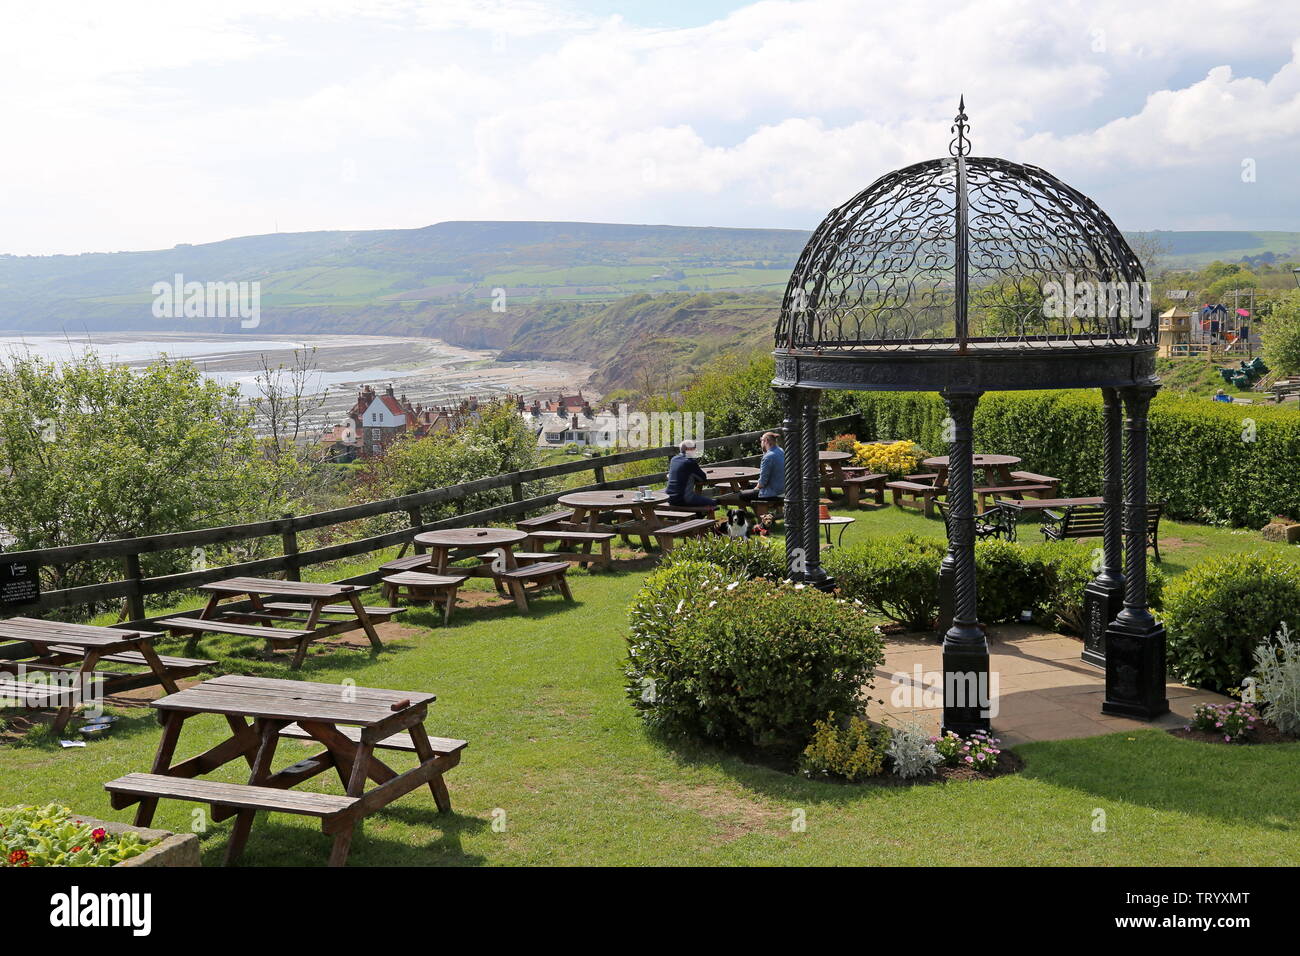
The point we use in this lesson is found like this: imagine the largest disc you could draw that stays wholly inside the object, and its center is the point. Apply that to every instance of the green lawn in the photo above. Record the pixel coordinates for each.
(560, 759)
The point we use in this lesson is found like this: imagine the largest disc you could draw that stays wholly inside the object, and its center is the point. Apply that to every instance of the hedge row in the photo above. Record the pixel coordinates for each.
(1209, 461)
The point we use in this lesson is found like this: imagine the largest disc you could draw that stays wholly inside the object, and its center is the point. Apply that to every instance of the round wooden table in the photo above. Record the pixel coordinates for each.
(474, 540)
(589, 506)
(733, 477)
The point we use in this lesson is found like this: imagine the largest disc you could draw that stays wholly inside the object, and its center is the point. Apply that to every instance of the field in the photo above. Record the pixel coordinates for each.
(560, 771)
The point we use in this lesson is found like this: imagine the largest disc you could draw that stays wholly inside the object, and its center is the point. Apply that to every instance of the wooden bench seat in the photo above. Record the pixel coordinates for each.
(176, 666)
(985, 494)
(1034, 478)
(544, 521)
(383, 613)
(14, 693)
(914, 494)
(411, 562)
(583, 545)
(766, 506)
(442, 746)
(337, 814)
(695, 528)
(421, 586)
(197, 626)
(532, 578)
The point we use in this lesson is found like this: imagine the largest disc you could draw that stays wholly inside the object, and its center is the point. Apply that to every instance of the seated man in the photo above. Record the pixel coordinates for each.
(683, 474)
(771, 471)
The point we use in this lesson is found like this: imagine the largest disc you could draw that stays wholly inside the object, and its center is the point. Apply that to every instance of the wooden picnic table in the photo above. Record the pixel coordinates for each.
(996, 468)
(349, 722)
(303, 602)
(59, 643)
(475, 541)
(592, 511)
(731, 477)
(1045, 504)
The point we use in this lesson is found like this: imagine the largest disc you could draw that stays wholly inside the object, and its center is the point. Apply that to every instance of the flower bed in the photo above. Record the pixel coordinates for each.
(54, 836)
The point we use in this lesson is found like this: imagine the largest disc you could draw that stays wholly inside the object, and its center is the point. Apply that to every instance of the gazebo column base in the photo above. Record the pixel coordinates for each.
(1135, 668)
(1102, 602)
(967, 697)
(946, 570)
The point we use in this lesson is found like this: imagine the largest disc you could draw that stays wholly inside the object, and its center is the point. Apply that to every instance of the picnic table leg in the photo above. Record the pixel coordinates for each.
(355, 600)
(300, 654)
(356, 787)
(162, 762)
(269, 730)
(424, 750)
(84, 674)
(156, 665)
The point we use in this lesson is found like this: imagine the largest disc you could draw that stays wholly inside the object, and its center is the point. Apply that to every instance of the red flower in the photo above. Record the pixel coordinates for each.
(98, 834)
(18, 858)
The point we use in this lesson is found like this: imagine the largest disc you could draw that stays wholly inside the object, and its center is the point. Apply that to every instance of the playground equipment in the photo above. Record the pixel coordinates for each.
(1213, 330)
(1247, 375)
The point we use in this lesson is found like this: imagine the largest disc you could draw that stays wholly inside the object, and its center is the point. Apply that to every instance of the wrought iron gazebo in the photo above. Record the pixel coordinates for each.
(963, 275)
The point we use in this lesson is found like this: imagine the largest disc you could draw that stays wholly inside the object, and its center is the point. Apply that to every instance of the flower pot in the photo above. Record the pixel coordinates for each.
(1278, 531)
(176, 849)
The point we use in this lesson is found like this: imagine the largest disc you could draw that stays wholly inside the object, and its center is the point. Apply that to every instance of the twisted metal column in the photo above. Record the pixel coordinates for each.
(790, 428)
(810, 463)
(1135, 641)
(1103, 598)
(965, 650)
(1137, 401)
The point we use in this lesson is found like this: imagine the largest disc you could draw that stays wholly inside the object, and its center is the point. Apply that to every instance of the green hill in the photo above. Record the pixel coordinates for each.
(636, 301)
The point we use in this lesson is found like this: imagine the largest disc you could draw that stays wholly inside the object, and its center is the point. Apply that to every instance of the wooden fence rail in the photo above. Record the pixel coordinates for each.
(133, 588)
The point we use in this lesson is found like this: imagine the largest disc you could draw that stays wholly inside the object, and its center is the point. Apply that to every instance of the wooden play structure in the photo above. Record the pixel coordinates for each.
(1211, 332)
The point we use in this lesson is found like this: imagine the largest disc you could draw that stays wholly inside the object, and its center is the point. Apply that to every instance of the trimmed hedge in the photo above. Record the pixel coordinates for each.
(1211, 462)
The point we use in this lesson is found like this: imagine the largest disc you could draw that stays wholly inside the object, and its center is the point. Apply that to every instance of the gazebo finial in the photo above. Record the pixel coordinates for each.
(960, 145)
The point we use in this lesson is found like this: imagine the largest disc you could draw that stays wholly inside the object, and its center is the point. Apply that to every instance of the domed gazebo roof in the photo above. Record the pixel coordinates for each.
(969, 259)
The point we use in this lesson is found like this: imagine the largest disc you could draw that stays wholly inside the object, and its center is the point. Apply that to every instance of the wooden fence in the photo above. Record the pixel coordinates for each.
(133, 587)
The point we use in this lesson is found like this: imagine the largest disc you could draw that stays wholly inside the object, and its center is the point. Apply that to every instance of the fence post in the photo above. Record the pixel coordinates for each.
(598, 472)
(289, 539)
(134, 597)
(517, 491)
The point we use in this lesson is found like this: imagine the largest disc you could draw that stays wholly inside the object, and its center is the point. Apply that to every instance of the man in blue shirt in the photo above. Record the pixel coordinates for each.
(771, 471)
(683, 474)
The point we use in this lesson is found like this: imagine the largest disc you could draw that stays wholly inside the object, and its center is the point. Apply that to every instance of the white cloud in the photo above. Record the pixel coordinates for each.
(134, 129)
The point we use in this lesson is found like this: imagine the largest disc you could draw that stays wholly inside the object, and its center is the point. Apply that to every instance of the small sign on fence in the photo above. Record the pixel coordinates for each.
(20, 583)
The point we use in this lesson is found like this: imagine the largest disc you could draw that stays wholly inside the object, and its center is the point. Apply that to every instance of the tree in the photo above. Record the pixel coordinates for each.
(497, 443)
(90, 451)
(1282, 334)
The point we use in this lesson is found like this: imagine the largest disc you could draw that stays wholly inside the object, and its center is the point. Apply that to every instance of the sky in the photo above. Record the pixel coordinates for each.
(140, 125)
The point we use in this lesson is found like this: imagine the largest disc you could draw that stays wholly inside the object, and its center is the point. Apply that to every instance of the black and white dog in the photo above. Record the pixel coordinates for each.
(739, 524)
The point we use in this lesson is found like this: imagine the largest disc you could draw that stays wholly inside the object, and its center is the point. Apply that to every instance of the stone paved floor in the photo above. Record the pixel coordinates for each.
(1044, 691)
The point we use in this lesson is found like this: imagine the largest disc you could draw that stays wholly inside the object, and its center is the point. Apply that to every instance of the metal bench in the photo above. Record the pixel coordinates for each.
(1089, 521)
(997, 522)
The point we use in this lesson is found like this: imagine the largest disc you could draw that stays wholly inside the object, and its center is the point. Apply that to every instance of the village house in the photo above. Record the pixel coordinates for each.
(569, 419)
(377, 419)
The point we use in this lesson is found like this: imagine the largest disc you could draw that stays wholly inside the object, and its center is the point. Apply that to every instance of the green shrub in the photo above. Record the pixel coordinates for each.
(51, 836)
(1277, 680)
(851, 752)
(895, 575)
(1007, 580)
(1220, 610)
(1066, 572)
(744, 557)
(753, 662)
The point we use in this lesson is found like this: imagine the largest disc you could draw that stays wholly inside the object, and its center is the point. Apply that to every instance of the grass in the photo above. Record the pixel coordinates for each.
(561, 771)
